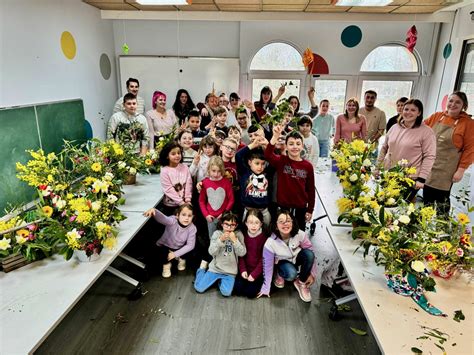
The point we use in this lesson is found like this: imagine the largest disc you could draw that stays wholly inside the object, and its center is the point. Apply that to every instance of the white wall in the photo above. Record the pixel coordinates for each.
(33, 68)
(463, 29)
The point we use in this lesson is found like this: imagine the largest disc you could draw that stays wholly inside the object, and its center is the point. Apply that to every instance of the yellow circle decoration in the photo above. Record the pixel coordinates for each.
(68, 45)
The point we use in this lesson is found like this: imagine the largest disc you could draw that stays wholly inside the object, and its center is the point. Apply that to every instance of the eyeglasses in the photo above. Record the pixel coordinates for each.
(288, 221)
(229, 225)
(229, 148)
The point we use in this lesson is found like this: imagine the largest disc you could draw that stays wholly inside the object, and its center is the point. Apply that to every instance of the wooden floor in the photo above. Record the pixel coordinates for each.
(173, 319)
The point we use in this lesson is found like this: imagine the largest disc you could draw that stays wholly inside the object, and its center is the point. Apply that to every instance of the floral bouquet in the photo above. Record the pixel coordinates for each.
(395, 184)
(130, 134)
(282, 112)
(151, 161)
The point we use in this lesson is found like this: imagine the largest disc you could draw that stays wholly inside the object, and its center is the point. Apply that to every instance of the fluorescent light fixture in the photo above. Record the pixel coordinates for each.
(164, 2)
(363, 2)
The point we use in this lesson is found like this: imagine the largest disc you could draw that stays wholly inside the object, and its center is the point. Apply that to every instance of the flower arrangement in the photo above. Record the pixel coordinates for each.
(279, 114)
(130, 135)
(151, 161)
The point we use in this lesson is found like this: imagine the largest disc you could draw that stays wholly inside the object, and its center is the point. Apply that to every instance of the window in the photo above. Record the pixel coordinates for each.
(465, 79)
(292, 87)
(277, 56)
(388, 92)
(390, 58)
(334, 91)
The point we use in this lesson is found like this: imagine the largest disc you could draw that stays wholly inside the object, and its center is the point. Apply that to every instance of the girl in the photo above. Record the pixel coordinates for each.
(183, 104)
(413, 141)
(216, 196)
(454, 131)
(250, 278)
(295, 104)
(176, 180)
(207, 148)
(185, 140)
(227, 245)
(323, 128)
(177, 240)
(350, 124)
(234, 106)
(160, 120)
(289, 249)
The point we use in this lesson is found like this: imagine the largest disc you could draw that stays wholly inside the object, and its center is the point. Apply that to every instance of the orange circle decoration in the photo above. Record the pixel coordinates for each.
(68, 45)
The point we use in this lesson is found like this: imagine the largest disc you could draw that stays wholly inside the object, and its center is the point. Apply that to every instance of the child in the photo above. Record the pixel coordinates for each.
(185, 140)
(295, 190)
(216, 196)
(289, 249)
(254, 184)
(255, 131)
(236, 134)
(194, 122)
(310, 142)
(175, 177)
(227, 150)
(250, 277)
(219, 122)
(226, 246)
(178, 238)
(243, 121)
(323, 128)
(207, 148)
(219, 136)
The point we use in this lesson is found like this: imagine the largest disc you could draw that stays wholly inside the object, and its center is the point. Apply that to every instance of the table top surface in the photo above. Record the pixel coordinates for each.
(397, 321)
(35, 298)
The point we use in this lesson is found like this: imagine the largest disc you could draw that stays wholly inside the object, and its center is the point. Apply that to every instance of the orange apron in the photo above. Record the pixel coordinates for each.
(447, 157)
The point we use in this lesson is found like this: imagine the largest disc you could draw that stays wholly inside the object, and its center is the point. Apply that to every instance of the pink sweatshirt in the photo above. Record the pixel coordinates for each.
(177, 185)
(417, 145)
(346, 130)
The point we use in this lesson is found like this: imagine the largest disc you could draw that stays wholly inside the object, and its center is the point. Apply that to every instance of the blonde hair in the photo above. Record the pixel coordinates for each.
(216, 161)
(356, 113)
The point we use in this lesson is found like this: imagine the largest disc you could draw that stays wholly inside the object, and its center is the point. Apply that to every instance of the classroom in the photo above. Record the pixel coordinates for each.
(245, 176)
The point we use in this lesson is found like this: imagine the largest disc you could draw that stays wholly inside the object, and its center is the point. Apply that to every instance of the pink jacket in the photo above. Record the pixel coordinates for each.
(177, 185)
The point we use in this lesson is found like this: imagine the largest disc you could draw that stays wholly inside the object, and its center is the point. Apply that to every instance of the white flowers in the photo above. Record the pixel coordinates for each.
(411, 209)
(367, 162)
(356, 210)
(121, 165)
(58, 202)
(352, 158)
(111, 198)
(418, 266)
(5, 244)
(74, 234)
(404, 219)
(132, 171)
(100, 186)
(353, 177)
(391, 201)
(20, 239)
(46, 191)
(366, 217)
(108, 176)
(96, 206)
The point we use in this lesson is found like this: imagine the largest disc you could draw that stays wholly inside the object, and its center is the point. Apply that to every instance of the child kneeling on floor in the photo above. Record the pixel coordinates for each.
(177, 240)
(227, 244)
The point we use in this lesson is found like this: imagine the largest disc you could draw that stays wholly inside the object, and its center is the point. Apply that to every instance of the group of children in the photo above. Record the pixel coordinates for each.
(235, 180)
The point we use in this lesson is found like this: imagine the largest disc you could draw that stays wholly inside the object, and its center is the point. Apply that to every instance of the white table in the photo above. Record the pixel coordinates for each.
(395, 320)
(329, 190)
(35, 298)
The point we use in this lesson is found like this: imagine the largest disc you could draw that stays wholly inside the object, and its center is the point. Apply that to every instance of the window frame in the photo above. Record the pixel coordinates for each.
(462, 62)
(351, 82)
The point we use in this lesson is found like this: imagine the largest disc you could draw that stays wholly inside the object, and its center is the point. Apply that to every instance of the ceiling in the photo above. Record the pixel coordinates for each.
(308, 6)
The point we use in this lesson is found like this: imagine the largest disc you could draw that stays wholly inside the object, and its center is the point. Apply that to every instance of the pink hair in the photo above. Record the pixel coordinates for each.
(156, 95)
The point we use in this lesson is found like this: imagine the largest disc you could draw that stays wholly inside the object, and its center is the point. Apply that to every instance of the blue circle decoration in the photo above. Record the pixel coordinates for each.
(351, 36)
(448, 48)
(89, 133)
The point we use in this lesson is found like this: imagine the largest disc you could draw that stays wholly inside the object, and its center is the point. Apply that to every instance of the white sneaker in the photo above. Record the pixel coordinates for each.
(203, 265)
(166, 270)
(181, 264)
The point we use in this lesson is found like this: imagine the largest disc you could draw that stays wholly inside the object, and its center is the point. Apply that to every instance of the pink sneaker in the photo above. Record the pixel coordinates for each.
(303, 290)
(279, 281)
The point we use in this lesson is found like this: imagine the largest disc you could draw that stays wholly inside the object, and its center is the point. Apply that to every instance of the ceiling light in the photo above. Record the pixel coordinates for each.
(363, 2)
(164, 2)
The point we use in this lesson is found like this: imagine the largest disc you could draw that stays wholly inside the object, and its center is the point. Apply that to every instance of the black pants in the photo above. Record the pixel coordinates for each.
(157, 256)
(298, 215)
(246, 288)
(441, 198)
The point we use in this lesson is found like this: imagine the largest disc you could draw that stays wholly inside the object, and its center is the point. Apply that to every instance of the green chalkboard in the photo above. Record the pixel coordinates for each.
(19, 132)
(32, 127)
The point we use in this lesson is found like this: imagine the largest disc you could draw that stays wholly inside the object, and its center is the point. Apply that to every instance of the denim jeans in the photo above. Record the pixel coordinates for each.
(323, 149)
(289, 271)
(206, 278)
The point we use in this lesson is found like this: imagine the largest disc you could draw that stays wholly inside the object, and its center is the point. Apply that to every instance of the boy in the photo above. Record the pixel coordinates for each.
(311, 144)
(194, 122)
(129, 116)
(323, 128)
(254, 182)
(219, 121)
(235, 134)
(295, 190)
(243, 121)
(255, 131)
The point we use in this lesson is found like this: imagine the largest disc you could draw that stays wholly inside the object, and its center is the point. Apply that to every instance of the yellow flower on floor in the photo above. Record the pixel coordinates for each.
(96, 167)
(5, 244)
(463, 219)
(48, 211)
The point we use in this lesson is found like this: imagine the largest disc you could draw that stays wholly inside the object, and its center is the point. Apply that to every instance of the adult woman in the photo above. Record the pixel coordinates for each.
(160, 120)
(265, 104)
(295, 104)
(350, 124)
(454, 131)
(394, 119)
(289, 249)
(411, 140)
(206, 109)
(183, 104)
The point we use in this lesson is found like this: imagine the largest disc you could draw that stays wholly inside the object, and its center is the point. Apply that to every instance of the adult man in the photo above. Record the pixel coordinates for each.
(375, 117)
(129, 127)
(132, 87)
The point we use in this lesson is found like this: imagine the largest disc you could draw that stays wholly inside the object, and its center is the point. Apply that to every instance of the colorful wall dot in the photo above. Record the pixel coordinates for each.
(448, 48)
(351, 36)
(318, 66)
(89, 132)
(105, 67)
(68, 45)
(444, 102)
